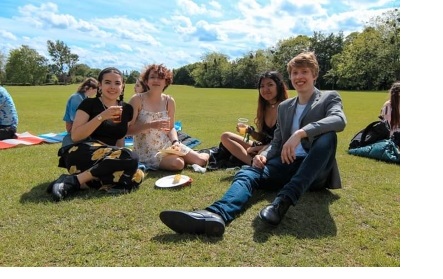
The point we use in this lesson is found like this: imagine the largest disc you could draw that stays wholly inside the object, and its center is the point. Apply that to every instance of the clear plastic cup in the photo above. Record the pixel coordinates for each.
(242, 125)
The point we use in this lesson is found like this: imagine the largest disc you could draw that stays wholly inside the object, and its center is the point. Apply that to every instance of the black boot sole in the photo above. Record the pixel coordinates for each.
(182, 222)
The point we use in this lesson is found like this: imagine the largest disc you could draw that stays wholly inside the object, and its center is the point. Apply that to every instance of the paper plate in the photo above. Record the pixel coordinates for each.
(180, 150)
(168, 181)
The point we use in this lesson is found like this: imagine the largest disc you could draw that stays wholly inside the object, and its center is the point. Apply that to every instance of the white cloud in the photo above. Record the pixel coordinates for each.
(190, 8)
(178, 32)
(183, 24)
(7, 35)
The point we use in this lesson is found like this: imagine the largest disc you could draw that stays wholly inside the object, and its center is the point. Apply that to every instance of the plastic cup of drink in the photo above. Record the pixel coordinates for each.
(166, 125)
(242, 125)
(118, 117)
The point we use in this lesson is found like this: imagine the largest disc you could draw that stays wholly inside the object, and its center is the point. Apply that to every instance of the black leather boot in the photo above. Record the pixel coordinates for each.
(63, 186)
(274, 212)
(194, 222)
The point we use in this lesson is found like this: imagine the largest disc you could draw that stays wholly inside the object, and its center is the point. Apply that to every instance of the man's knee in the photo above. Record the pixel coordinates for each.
(326, 140)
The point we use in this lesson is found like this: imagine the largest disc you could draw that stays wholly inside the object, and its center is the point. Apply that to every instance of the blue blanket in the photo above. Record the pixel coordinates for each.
(183, 137)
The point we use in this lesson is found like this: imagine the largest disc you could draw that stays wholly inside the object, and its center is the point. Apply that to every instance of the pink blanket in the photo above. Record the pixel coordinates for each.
(25, 138)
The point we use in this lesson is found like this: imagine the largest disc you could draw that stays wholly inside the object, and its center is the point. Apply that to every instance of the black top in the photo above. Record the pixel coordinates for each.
(108, 131)
(265, 136)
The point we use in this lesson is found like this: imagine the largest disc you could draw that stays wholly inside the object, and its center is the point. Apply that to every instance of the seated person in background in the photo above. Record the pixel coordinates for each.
(153, 128)
(300, 157)
(8, 115)
(140, 86)
(96, 156)
(390, 112)
(272, 91)
(87, 88)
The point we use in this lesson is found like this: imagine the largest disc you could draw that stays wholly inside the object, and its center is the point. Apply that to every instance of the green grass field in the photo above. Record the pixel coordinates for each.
(357, 226)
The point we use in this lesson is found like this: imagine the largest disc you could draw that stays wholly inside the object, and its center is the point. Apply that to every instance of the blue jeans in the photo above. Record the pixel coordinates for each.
(293, 180)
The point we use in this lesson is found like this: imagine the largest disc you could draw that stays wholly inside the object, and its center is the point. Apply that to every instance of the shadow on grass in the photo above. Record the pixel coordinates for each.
(309, 218)
(181, 238)
(39, 193)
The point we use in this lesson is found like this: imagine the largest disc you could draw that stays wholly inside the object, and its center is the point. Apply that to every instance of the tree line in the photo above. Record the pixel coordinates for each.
(367, 60)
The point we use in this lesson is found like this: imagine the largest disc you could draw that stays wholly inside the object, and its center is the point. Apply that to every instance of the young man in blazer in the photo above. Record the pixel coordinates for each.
(301, 157)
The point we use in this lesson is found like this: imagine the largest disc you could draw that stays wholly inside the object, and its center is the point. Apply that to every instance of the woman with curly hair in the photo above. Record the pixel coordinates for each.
(153, 125)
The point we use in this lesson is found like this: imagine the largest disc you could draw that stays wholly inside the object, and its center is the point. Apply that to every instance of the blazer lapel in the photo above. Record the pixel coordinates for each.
(312, 102)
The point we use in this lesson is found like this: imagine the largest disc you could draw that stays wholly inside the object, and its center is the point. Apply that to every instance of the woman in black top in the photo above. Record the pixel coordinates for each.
(272, 91)
(95, 155)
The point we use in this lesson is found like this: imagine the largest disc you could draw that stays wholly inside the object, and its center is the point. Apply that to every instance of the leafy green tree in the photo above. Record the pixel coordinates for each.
(62, 57)
(26, 66)
(370, 60)
(80, 70)
(132, 77)
(388, 24)
(209, 73)
(264, 60)
(183, 76)
(247, 71)
(286, 50)
(325, 47)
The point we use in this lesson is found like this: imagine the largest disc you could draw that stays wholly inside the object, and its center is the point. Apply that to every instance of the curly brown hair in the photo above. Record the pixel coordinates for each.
(160, 70)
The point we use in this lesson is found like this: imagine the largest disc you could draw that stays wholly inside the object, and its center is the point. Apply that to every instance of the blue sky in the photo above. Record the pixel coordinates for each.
(131, 34)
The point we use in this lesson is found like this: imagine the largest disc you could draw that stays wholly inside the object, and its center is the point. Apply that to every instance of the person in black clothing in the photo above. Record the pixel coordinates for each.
(94, 154)
(272, 91)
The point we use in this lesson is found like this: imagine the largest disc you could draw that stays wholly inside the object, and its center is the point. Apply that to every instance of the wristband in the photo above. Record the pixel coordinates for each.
(174, 141)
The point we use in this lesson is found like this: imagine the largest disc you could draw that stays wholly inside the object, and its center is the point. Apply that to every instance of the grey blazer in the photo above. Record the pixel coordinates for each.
(323, 113)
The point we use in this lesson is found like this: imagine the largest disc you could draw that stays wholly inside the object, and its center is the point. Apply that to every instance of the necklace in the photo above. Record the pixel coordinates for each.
(273, 105)
(104, 107)
(103, 104)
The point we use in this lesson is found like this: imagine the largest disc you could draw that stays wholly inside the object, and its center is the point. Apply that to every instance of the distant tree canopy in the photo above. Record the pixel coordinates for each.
(25, 66)
(367, 60)
(63, 59)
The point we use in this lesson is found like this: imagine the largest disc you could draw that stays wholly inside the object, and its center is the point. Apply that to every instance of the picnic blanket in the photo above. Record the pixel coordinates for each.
(26, 138)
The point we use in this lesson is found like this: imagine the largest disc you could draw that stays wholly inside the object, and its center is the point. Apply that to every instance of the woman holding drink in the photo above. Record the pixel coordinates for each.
(94, 152)
(272, 91)
(155, 138)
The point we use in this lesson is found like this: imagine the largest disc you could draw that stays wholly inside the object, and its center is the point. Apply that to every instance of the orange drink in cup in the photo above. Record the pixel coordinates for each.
(242, 125)
(118, 114)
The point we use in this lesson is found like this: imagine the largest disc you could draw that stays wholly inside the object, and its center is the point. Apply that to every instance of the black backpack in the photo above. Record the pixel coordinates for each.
(375, 131)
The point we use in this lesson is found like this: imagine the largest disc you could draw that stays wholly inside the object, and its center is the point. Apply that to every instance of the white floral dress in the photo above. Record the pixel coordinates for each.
(148, 144)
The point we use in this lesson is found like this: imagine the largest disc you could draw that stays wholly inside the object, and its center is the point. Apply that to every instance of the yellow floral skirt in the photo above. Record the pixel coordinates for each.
(113, 167)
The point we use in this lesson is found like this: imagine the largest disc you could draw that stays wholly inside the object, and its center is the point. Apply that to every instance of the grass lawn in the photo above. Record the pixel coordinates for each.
(357, 226)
